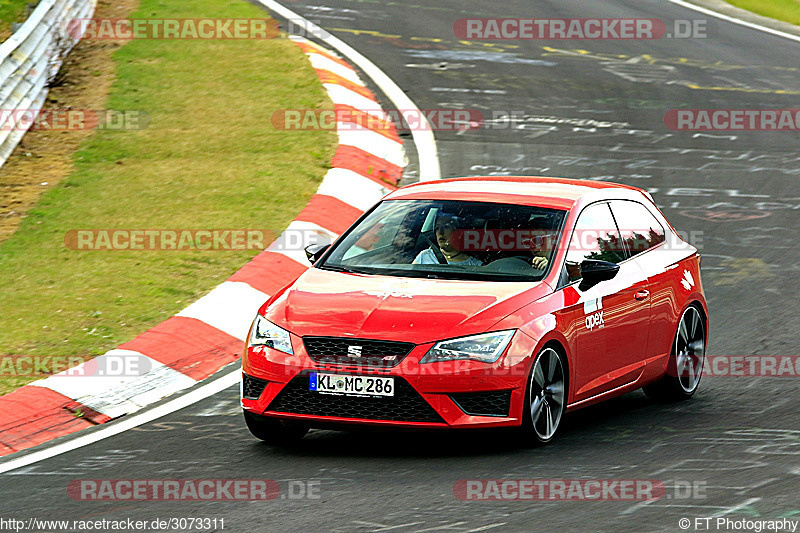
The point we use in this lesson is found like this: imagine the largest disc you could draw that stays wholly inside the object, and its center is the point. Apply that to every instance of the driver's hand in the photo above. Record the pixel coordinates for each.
(539, 263)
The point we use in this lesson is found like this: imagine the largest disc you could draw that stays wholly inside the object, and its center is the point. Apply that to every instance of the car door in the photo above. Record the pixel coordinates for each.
(610, 318)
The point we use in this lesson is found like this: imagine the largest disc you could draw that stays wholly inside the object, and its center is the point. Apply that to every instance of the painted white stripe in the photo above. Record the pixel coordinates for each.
(297, 236)
(321, 62)
(230, 307)
(352, 188)
(120, 426)
(735, 20)
(374, 143)
(423, 137)
(344, 96)
(119, 395)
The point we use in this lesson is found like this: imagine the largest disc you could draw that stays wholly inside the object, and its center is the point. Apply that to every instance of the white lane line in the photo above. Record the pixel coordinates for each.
(124, 424)
(230, 307)
(320, 62)
(751, 25)
(423, 137)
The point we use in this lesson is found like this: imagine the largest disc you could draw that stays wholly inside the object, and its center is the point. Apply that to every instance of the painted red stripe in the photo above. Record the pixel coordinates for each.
(188, 345)
(366, 121)
(330, 213)
(33, 415)
(367, 164)
(269, 272)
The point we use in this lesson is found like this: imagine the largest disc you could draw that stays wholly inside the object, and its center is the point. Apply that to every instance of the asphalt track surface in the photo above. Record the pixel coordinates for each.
(738, 438)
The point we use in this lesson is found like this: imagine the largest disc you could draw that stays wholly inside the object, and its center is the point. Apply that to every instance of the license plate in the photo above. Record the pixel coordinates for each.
(351, 385)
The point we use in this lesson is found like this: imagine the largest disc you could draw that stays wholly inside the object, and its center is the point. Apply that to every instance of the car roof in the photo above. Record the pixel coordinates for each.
(557, 193)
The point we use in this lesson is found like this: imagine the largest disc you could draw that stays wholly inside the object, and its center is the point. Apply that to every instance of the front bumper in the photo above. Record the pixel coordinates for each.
(448, 394)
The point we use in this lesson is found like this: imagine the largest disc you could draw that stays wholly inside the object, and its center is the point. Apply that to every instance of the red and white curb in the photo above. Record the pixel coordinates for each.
(210, 333)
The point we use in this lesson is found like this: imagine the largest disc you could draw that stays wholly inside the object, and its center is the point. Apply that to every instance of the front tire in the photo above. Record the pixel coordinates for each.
(685, 367)
(545, 397)
(273, 431)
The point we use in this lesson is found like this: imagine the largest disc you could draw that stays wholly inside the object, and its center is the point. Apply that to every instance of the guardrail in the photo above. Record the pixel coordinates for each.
(29, 59)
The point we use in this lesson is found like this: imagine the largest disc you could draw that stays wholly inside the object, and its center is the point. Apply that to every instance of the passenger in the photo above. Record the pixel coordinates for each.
(444, 226)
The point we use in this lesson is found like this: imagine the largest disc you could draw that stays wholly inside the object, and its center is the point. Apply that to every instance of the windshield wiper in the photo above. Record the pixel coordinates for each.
(337, 268)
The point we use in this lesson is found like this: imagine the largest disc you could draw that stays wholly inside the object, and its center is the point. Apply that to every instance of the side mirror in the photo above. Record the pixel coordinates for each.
(593, 271)
(315, 251)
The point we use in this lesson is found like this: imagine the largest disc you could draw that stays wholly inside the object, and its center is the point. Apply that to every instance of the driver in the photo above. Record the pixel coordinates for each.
(444, 226)
(542, 245)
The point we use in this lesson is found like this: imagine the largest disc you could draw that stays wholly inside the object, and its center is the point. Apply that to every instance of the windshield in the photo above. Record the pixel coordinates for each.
(450, 240)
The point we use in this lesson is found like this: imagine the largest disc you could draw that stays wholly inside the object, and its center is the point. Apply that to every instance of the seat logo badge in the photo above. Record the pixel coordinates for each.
(354, 351)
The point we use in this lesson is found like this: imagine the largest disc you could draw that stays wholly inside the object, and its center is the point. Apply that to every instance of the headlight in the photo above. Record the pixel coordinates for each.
(265, 333)
(486, 347)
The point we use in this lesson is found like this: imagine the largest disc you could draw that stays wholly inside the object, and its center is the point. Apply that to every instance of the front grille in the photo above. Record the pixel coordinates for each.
(252, 387)
(489, 403)
(362, 352)
(406, 405)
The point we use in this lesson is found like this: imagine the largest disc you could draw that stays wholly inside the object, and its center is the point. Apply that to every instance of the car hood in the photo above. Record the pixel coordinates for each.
(338, 304)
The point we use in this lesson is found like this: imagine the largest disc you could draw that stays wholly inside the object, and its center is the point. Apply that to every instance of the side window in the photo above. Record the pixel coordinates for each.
(640, 230)
(595, 237)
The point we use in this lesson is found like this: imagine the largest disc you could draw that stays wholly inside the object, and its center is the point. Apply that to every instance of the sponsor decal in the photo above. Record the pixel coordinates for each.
(594, 308)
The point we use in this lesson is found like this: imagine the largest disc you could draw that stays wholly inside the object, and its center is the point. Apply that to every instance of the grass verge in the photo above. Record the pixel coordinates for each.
(785, 10)
(11, 11)
(208, 159)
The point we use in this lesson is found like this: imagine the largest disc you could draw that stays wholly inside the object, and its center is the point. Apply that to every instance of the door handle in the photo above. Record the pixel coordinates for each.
(641, 295)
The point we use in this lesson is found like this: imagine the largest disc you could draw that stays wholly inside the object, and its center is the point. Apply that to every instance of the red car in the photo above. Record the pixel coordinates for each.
(480, 302)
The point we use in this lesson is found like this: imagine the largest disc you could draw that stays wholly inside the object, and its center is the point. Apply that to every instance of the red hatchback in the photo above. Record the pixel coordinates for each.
(480, 302)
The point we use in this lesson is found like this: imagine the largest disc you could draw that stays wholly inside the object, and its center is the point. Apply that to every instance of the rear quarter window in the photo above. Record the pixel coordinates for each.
(639, 229)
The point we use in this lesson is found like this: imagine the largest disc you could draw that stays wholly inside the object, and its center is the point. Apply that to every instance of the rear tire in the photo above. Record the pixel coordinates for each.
(685, 366)
(274, 431)
(545, 397)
